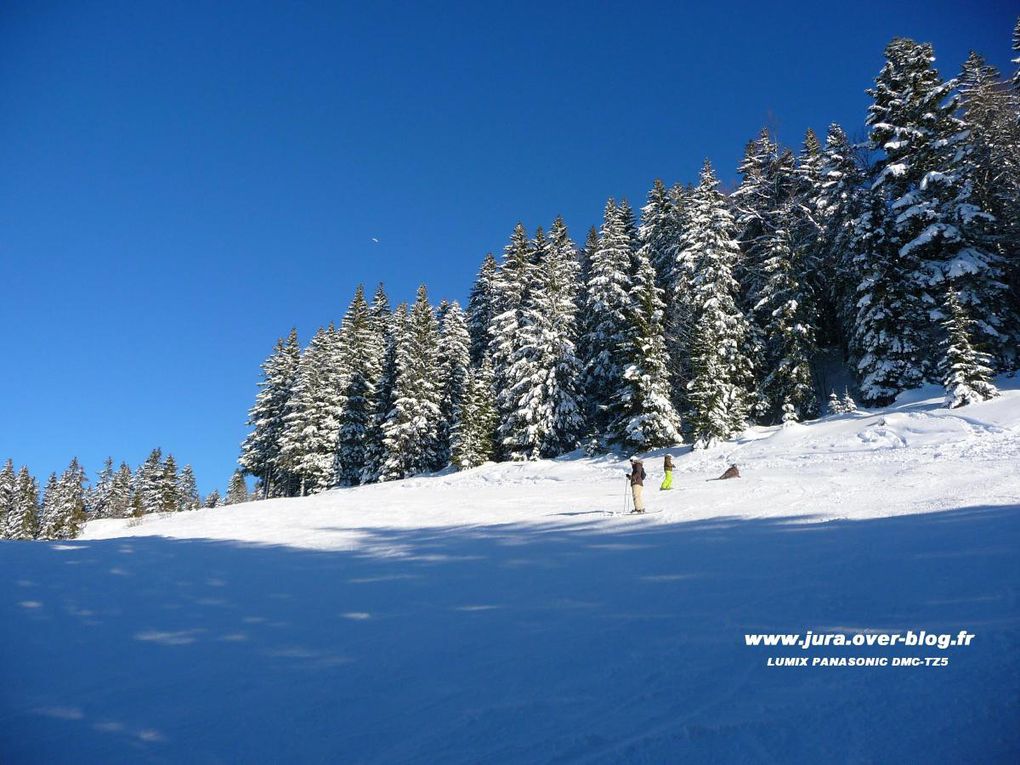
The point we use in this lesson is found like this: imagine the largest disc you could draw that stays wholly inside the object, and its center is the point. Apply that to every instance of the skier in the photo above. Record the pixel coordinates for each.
(667, 467)
(637, 476)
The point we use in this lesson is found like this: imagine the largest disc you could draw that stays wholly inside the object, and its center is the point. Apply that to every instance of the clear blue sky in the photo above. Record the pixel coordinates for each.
(182, 182)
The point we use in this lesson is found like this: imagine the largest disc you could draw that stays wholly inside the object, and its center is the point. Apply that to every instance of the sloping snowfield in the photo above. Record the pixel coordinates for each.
(503, 615)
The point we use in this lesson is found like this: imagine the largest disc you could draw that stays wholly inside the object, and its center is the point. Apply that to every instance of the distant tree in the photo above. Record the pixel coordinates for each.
(187, 490)
(169, 498)
(261, 452)
(97, 498)
(8, 487)
(63, 514)
(480, 308)
(212, 499)
(237, 490)
(411, 428)
(23, 520)
(362, 358)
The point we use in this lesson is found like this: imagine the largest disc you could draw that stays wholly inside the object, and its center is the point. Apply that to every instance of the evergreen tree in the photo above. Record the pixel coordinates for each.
(787, 391)
(237, 490)
(8, 486)
(848, 404)
(99, 496)
(363, 359)
(939, 231)
(838, 203)
(1016, 47)
(966, 373)
(410, 431)
(120, 495)
(513, 361)
(991, 151)
(835, 406)
(720, 371)
(148, 482)
(311, 425)
(23, 520)
(480, 308)
(607, 300)
(659, 234)
(63, 512)
(388, 327)
(212, 499)
(261, 452)
(187, 490)
(454, 366)
(169, 499)
(474, 430)
(644, 417)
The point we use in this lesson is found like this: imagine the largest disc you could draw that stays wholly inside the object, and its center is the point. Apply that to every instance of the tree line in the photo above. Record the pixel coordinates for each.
(901, 253)
(61, 509)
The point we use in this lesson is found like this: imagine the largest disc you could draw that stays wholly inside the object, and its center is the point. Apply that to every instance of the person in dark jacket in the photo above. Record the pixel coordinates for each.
(667, 468)
(637, 476)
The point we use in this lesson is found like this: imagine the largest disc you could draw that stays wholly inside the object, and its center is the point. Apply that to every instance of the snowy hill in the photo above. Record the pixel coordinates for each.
(503, 615)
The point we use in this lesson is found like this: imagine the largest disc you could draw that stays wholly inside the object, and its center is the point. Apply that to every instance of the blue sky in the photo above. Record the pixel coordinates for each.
(180, 183)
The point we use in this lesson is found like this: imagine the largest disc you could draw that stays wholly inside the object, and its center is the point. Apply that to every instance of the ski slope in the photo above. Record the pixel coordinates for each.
(505, 614)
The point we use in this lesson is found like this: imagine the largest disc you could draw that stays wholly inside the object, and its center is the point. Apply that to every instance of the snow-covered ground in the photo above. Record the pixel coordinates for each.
(502, 615)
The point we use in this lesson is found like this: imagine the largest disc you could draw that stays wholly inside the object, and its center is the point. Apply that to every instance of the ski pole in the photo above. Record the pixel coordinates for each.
(626, 497)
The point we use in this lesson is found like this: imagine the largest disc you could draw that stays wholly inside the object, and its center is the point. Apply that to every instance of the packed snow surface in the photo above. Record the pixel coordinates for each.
(510, 614)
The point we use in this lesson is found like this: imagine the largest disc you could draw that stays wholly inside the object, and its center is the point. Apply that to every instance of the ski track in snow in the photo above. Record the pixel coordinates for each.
(503, 615)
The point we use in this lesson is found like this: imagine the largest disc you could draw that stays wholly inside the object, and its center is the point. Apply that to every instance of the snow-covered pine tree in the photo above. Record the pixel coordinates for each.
(23, 520)
(97, 498)
(759, 203)
(848, 403)
(835, 406)
(148, 482)
(119, 505)
(607, 299)
(480, 307)
(784, 312)
(591, 243)
(386, 329)
(679, 323)
(473, 440)
(1016, 48)
(937, 223)
(886, 339)
(512, 358)
(410, 430)
(721, 373)
(967, 376)
(237, 489)
(992, 158)
(64, 506)
(642, 411)
(261, 450)
(362, 360)
(311, 425)
(838, 203)
(169, 500)
(8, 485)
(454, 366)
(187, 490)
(560, 417)
(212, 499)
(659, 234)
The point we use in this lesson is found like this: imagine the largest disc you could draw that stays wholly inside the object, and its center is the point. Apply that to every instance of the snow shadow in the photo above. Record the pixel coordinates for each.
(592, 642)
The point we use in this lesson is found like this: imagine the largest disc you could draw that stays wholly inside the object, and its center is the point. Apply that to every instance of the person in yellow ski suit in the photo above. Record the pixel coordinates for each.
(667, 466)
